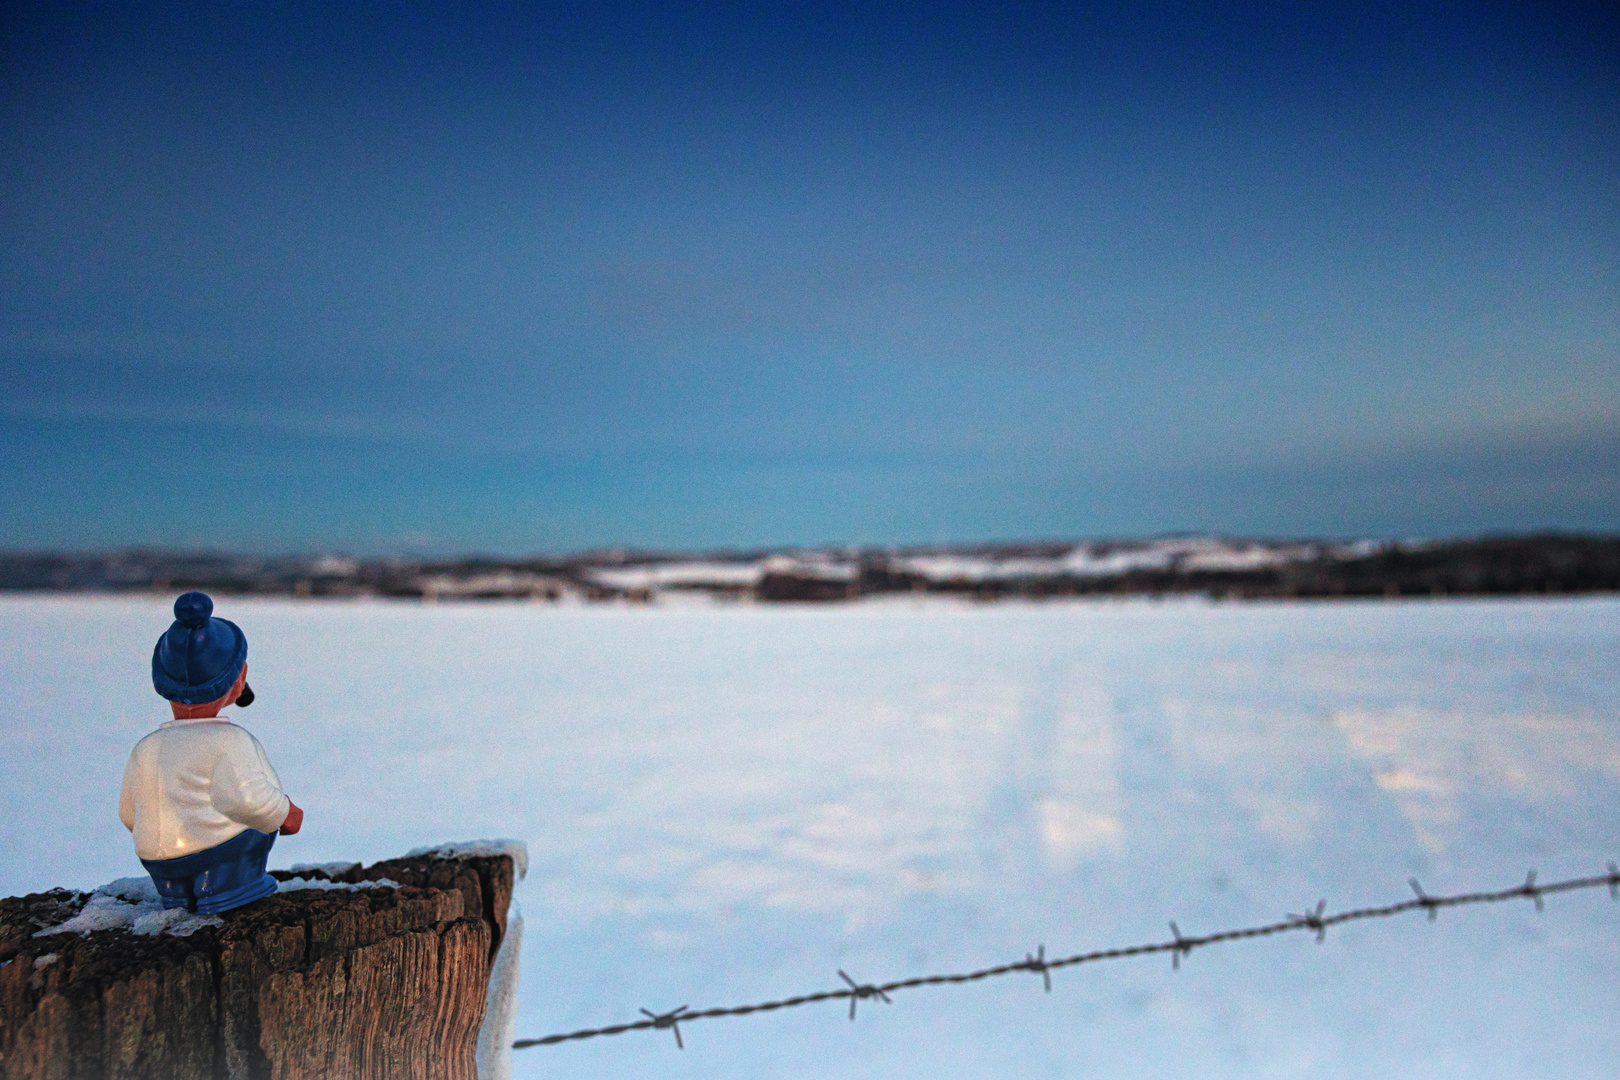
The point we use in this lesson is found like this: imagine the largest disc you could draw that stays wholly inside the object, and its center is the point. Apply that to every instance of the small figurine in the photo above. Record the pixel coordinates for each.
(199, 794)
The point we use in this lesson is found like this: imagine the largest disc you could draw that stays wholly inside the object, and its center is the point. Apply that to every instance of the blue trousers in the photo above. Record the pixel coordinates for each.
(216, 879)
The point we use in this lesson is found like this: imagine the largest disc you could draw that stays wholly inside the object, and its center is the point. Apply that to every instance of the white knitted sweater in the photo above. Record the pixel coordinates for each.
(192, 784)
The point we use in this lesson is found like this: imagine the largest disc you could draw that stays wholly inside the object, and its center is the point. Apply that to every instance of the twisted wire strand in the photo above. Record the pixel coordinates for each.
(1315, 921)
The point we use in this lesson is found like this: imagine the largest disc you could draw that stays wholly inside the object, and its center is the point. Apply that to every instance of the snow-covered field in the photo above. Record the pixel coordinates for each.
(726, 804)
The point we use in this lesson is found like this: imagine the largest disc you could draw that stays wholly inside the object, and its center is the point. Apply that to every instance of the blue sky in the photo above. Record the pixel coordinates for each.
(527, 277)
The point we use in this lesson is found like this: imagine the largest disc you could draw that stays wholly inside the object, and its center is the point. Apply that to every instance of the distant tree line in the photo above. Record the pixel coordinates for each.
(1552, 564)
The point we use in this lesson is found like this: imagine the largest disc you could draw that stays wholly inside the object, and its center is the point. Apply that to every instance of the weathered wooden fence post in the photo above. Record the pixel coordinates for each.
(365, 973)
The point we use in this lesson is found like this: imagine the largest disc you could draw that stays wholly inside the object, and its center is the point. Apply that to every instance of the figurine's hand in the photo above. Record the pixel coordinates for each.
(295, 819)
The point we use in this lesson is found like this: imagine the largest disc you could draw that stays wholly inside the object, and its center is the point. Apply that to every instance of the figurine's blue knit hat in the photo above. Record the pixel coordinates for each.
(198, 659)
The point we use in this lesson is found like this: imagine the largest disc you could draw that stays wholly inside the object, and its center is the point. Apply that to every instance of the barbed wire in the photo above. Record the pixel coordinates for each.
(1314, 920)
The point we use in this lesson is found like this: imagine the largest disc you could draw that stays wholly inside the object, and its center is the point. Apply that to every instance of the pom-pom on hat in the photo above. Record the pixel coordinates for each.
(198, 659)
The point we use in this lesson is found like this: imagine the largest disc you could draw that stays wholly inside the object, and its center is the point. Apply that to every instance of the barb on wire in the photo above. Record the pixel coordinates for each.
(1182, 947)
(1529, 889)
(1316, 920)
(1036, 961)
(861, 990)
(1312, 920)
(671, 1020)
(1423, 898)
